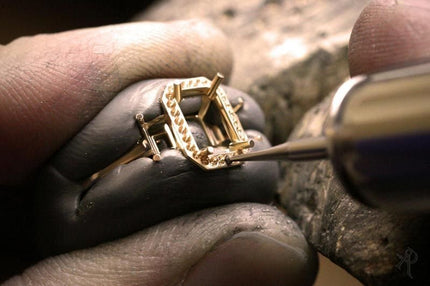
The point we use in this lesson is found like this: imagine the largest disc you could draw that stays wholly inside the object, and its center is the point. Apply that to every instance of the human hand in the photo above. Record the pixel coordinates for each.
(52, 85)
(64, 80)
(72, 213)
(366, 242)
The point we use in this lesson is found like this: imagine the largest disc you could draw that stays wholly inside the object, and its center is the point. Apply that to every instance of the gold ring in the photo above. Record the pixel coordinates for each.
(229, 139)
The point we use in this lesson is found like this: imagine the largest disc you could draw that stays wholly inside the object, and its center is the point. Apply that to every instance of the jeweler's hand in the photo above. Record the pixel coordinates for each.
(51, 87)
(180, 249)
(240, 244)
(70, 215)
(387, 34)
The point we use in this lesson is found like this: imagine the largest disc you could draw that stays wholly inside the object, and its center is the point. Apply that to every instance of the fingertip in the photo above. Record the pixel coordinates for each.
(389, 33)
(252, 258)
(213, 49)
(178, 49)
(239, 242)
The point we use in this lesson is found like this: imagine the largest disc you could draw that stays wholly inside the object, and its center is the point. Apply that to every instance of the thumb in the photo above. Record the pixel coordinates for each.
(390, 33)
(241, 244)
(52, 85)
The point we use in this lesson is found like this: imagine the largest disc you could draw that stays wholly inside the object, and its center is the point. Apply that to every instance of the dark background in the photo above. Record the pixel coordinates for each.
(26, 17)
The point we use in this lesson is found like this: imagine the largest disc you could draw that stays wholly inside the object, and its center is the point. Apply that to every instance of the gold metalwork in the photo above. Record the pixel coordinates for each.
(229, 139)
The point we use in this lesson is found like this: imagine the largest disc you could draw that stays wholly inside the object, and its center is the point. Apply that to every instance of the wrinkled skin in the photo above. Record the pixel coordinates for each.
(62, 81)
(142, 192)
(51, 87)
(238, 244)
(369, 243)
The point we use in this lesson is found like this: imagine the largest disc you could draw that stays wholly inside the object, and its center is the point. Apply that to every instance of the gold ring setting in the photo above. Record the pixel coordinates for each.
(227, 139)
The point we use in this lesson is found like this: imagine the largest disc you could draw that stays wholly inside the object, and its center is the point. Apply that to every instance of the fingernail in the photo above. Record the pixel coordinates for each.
(251, 258)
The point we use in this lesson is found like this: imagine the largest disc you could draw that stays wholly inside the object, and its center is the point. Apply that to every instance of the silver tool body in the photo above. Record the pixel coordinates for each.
(377, 139)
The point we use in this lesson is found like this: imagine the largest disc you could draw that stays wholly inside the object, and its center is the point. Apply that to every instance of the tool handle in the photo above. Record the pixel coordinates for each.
(379, 138)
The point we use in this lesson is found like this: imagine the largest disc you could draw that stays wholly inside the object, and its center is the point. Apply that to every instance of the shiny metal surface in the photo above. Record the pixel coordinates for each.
(377, 138)
(227, 139)
(306, 149)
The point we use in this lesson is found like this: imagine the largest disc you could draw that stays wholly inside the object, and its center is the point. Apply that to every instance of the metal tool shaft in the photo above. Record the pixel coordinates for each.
(304, 149)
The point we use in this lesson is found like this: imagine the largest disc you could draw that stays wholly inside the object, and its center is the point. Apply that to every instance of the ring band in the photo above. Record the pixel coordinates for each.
(229, 139)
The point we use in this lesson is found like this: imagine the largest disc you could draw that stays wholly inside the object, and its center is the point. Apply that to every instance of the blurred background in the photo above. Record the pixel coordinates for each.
(26, 17)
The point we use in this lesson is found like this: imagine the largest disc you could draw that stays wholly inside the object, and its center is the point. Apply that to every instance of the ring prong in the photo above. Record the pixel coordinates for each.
(214, 85)
(177, 91)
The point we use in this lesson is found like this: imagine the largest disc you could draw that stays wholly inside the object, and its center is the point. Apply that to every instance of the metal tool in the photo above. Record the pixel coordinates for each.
(377, 139)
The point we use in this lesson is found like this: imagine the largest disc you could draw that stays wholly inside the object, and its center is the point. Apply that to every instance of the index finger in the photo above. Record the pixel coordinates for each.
(52, 85)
